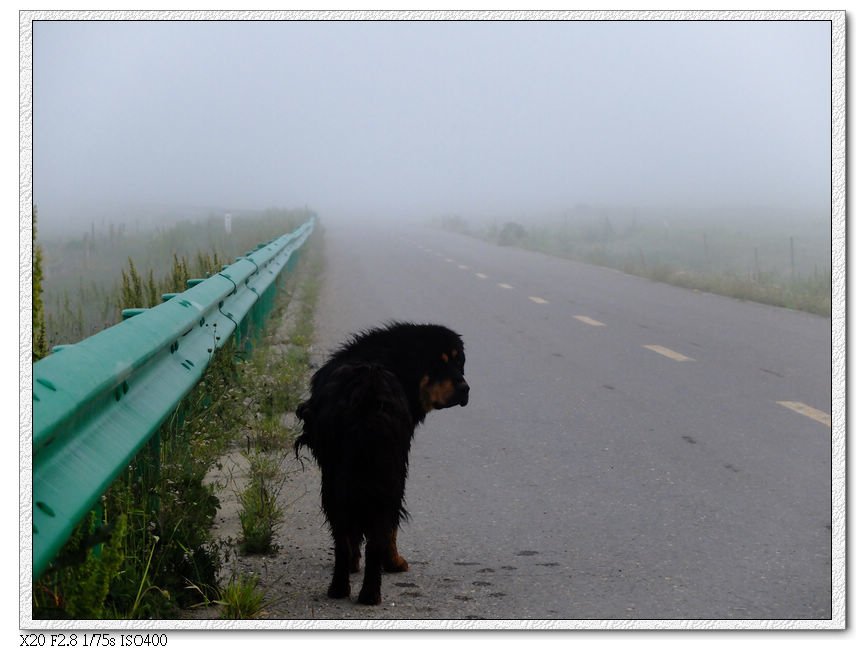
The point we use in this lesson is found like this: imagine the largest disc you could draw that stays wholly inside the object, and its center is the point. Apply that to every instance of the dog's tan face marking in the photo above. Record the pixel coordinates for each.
(445, 357)
(441, 392)
(435, 395)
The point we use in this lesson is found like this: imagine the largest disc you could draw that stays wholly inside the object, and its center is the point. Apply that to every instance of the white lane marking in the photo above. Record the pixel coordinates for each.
(540, 301)
(482, 276)
(809, 412)
(590, 321)
(447, 259)
(667, 352)
(505, 286)
(463, 267)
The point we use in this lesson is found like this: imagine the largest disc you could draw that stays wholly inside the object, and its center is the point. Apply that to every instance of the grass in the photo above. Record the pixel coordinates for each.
(241, 599)
(261, 514)
(273, 380)
(83, 291)
(277, 376)
(783, 263)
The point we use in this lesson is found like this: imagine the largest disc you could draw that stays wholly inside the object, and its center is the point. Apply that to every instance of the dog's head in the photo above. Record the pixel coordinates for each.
(443, 384)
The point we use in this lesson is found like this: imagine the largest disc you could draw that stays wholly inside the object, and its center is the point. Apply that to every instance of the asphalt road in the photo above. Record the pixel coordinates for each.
(631, 450)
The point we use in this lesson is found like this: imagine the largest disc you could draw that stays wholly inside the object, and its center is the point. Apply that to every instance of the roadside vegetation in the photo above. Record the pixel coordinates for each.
(88, 280)
(40, 341)
(241, 598)
(148, 549)
(274, 380)
(778, 262)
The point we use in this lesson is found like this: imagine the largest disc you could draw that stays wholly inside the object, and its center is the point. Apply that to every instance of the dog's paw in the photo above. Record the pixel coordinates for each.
(339, 590)
(369, 597)
(396, 564)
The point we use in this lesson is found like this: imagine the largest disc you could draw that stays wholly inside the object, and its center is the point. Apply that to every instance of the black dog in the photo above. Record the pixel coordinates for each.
(364, 405)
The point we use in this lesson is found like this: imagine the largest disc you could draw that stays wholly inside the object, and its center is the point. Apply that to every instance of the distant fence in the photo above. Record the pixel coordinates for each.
(98, 402)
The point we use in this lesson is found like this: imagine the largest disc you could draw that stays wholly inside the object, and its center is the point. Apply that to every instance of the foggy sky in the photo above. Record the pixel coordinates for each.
(427, 118)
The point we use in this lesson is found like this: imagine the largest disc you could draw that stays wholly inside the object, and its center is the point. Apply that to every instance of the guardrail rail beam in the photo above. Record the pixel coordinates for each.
(99, 401)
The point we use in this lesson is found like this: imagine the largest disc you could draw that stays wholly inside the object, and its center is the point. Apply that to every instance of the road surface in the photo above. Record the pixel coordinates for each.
(631, 450)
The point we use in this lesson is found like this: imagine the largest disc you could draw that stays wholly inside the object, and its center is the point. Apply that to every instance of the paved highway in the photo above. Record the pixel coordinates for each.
(631, 450)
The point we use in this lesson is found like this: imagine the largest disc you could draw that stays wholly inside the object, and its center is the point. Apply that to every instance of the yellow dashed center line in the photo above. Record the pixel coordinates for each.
(590, 321)
(809, 412)
(667, 352)
(505, 286)
(539, 301)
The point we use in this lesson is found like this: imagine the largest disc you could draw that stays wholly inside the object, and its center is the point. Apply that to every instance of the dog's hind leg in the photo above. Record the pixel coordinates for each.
(393, 561)
(356, 538)
(376, 546)
(340, 586)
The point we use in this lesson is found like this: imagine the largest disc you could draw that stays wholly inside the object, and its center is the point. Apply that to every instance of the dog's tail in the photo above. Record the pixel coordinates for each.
(303, 412)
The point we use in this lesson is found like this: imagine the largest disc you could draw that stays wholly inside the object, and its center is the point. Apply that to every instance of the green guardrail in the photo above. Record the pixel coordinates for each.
(98, 402)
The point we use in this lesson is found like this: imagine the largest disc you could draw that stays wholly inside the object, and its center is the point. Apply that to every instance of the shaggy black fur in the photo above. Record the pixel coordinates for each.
(364, 405)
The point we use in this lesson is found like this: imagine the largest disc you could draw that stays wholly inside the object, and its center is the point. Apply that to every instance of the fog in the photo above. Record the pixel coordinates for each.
(419, 119)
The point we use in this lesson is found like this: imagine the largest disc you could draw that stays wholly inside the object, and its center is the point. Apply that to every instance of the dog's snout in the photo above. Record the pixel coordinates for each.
(463, 392)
